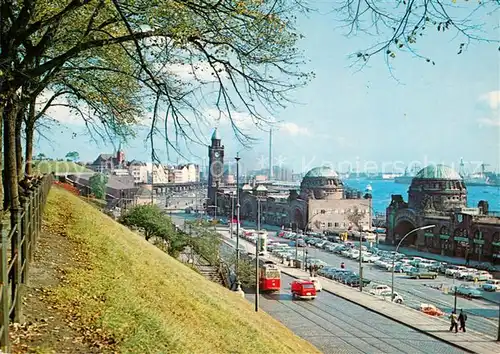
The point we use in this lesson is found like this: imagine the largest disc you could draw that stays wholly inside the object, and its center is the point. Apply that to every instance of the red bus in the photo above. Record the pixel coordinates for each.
(270, 277)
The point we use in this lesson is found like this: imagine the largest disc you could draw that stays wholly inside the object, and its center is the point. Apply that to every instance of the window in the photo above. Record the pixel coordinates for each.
(336, 224)
(329, 224)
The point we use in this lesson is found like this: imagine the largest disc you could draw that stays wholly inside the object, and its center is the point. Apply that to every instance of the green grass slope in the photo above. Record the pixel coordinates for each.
(46, 166)
(147, 302)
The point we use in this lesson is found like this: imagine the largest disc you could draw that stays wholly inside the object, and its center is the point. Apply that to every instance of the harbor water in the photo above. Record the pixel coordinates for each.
(383, 189)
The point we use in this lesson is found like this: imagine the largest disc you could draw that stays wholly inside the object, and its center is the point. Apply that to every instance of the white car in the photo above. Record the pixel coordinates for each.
(482, 275)
(463, 273)
(316, 283)
(453, 270)
(354, 254)
(379, 289)
(386, 295)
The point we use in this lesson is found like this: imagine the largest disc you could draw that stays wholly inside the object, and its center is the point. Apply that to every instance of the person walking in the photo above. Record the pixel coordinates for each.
(454, 323)
(342, 265)
(462, 317)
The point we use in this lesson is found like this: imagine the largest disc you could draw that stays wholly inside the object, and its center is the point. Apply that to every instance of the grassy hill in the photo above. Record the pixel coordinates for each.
(47, 166)
(144, 301)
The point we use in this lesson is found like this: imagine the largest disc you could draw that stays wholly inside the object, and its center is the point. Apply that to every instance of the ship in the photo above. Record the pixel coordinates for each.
(479, 179)
(408, 176)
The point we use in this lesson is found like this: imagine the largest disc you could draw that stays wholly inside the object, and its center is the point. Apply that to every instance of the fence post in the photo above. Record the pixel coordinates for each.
(16, 252)
(31, 220)
(4, 295)
(24, 238)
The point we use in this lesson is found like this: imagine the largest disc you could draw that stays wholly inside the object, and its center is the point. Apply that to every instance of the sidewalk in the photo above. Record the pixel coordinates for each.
(435, 327)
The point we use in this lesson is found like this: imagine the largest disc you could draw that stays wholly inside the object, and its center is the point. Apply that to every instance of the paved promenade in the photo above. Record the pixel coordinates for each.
(436, 327)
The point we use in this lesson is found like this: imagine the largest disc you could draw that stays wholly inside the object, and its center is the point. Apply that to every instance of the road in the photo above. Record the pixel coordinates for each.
(483, 315)
(335, 325)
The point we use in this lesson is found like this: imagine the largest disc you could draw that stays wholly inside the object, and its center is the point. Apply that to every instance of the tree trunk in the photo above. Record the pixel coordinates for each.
(11, 198)
(1, 159)
(29, 131)
(19, 144)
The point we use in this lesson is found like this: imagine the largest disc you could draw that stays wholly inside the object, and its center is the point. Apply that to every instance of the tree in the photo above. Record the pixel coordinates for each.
(249, 52)
(97, 184)
(156, 227)
(399, 25)
(73, 156)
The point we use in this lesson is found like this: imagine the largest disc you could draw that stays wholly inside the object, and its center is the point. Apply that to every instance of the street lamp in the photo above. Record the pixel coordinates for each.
(238, 285)
(396, 251)
(261, 194)
(232, 196)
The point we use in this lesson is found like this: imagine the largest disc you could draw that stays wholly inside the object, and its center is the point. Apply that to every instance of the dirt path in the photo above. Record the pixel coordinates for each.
(48, 328)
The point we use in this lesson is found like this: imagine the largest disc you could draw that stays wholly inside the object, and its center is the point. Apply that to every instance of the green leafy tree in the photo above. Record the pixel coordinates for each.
(73, 156)
(157, 227)
(98, 185)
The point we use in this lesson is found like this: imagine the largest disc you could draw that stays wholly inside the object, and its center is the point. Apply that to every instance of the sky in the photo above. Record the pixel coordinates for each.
(370, 119)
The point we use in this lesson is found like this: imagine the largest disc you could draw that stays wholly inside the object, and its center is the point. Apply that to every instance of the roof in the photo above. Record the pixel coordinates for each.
(323, 171)
(246, 187)
(215, 135)
(438, 172)
(261, 188)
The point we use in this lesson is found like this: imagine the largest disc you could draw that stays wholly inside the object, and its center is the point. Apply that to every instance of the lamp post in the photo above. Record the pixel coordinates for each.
(396, 251)
(237, 158)
(261, 195)
(215, 204)
(232, 212)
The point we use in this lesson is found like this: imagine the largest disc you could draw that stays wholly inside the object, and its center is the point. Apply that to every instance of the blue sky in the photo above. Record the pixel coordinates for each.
(432, 114)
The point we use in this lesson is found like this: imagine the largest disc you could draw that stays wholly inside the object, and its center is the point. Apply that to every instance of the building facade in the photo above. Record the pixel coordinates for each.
(138, 170)
(438, 196)
(106, 163)
(321, 204)
(216, 168)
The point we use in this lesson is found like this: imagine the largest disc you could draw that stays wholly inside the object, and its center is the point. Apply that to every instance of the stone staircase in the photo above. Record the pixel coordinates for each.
(211, 273)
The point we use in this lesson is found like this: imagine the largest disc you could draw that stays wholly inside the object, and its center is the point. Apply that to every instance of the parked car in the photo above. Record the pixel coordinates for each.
(378, 289)
(386, 295)
(491, 285)
(422, 274)
(469, 291)
(464, 273)
(317, 284)
(482, 275)
(452, 270)
(354, 281)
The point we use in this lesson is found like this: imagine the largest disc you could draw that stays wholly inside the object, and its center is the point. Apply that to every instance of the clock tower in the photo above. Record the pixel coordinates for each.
(215, 167)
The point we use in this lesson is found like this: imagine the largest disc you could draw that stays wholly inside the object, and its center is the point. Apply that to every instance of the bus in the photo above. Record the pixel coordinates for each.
(270, 277)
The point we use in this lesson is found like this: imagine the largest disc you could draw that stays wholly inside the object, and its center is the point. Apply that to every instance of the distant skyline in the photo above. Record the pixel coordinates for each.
(432, 114)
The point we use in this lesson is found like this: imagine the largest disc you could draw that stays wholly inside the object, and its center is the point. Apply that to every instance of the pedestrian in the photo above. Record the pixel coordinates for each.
(454, 323)
(342, 265)
(462, 317)
(310, 270)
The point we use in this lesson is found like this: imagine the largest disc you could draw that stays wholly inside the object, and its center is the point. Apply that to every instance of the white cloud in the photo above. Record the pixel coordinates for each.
(242, 120)
(492, 98)
(294, 129)
(492, 122)
(201, 71)
(61, 114)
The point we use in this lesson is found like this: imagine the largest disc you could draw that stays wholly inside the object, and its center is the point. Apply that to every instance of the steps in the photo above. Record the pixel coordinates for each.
(211, 273)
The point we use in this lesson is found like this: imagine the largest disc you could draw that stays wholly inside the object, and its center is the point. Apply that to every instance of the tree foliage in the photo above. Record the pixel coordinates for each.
(97, 183)
(106, 60)
(73, 156)
(156, 226)
(399, 26)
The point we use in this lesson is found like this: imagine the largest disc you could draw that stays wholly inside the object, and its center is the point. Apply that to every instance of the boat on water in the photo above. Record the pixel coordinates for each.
(479, 179)
(408, 176)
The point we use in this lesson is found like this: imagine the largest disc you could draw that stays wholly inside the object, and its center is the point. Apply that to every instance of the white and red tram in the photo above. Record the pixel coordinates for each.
(270, 277)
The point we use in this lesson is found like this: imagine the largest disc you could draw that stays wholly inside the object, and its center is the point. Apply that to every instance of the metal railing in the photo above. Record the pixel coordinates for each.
(20, 239)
